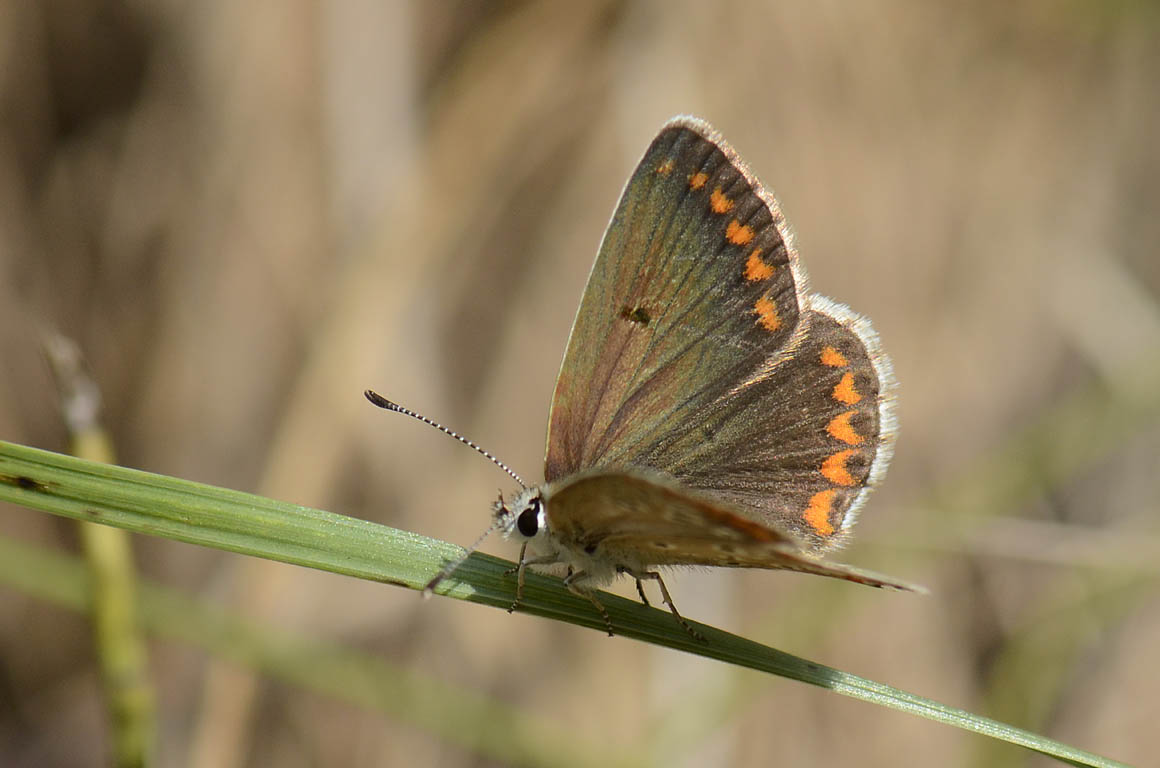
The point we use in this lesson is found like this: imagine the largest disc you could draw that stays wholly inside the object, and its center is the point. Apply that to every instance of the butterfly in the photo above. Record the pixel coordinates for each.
(709, 410)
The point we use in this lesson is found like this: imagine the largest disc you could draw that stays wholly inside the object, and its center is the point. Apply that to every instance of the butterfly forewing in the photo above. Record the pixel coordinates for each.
(694, 289)
(697, 354)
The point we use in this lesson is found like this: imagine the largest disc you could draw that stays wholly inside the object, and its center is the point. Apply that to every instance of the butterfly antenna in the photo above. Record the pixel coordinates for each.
(451, 567)
(386, 404)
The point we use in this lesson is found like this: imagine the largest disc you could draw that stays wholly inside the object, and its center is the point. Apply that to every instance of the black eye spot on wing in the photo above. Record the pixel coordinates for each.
(638, 315)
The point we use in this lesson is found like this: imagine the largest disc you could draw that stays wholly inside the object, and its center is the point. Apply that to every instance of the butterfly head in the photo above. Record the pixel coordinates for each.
(525, 517)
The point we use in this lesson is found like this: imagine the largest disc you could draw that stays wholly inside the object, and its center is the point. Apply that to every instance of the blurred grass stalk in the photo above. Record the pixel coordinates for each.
(119, 647)
(478, 724)
(249, 524)
(117, 640)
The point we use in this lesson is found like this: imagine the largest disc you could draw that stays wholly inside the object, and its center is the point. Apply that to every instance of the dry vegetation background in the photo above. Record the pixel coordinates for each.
(246, 213)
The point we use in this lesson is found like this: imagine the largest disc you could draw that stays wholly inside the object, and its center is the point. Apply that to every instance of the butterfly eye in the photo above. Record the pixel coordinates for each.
(529, 520)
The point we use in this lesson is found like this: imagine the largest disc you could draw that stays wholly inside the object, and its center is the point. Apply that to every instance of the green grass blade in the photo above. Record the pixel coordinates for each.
(479, 724)
(254, 525)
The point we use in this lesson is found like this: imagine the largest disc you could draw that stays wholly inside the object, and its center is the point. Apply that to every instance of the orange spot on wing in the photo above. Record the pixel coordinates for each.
(767, 314)
(755, 268)
(666, 167)
(834, 468)
(834, 358)
(844, 391)
(839, 428)
(817, 514)
(719, 203)
(738, 234)
(697, 180)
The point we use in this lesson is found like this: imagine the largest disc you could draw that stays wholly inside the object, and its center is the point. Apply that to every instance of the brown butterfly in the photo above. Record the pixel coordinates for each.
(709, 410)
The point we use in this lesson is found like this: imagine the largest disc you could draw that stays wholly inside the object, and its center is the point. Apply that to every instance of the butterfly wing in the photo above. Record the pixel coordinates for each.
(696, 352)
(642, 521)
(800, 442)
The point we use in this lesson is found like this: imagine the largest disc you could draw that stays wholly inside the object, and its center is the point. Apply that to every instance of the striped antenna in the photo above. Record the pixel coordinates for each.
(453, 566)
(386, 404)
(499, 521)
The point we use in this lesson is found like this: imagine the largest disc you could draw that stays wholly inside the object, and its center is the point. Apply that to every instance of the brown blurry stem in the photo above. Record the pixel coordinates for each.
(117, 640)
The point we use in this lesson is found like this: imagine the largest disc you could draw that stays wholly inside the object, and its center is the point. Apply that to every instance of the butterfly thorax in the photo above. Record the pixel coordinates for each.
(609, 520)
(529, 518)
(604, 522)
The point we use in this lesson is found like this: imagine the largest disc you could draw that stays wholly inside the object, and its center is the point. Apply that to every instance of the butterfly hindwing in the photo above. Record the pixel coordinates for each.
(595, 508)
(643, 521)
(799, 444)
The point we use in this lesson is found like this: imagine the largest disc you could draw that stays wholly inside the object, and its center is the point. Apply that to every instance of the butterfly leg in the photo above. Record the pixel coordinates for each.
(520, 569)
(667, 598)
(640, 591)
(571, 583)
(639, 586)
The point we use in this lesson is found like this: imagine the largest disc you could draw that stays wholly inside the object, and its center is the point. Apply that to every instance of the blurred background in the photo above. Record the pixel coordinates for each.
(247, 213)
